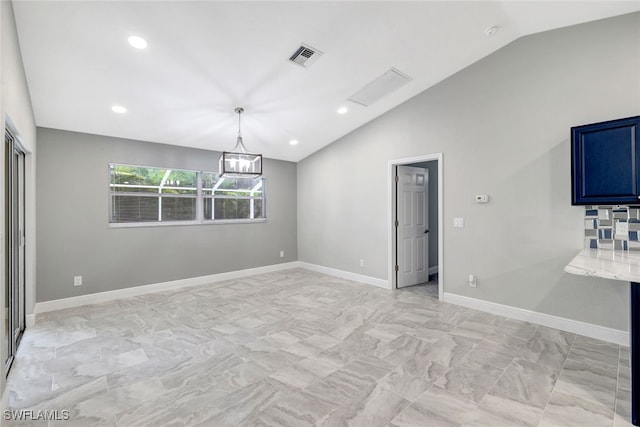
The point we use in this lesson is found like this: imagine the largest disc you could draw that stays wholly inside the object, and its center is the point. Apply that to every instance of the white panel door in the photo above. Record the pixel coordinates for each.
(412, 226)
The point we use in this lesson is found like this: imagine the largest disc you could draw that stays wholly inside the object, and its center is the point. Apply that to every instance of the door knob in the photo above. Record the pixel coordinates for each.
(426, 231)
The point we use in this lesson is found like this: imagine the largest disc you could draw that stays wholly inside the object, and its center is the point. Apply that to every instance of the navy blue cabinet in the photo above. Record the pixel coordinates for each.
(605, 160)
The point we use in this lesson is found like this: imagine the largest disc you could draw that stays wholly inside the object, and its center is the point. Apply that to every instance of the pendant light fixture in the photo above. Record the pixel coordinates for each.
(239, 163)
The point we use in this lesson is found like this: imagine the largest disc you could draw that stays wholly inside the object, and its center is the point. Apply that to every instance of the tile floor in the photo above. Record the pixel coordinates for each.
(298, 348)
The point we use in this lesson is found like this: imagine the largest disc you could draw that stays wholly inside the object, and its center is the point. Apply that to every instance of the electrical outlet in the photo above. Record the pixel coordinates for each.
(458, 222)
(473, 282)
(622, 230)
(281, 254)
(77, 281)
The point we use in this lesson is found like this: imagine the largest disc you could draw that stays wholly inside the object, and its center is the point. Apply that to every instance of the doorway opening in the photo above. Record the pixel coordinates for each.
(415, 256)
(14, 309)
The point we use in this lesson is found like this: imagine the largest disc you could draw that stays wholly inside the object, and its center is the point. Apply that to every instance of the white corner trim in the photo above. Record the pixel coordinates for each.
(381, 283)
(100, 297)
(603, 333)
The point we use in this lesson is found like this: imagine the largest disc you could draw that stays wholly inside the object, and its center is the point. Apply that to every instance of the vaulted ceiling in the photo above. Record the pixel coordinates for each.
(204, 58)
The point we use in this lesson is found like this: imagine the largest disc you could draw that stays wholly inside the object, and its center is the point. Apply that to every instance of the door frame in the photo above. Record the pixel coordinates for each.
(391, 216)
(15, 261)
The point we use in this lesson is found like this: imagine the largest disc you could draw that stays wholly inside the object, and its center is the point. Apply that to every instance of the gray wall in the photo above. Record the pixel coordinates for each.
(72, 219)
(502, 125)
(432, 167)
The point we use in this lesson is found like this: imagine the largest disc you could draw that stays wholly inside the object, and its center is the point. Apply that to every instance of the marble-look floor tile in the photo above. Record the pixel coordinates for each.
(320, 365)
(295, 376)
(89, 371)
(413, 377)
(274, 360)
(472, 384)
(236, 407)
(103, 408)
(623, 405)
(620, 421)
(402, 349)
(526, 382)
(565, 410)
(499, 411)
(481, 359)
(296, 409)
(374, 407)
(322, 342)
(357, 376)
(323, 391)
(474, 329)
(548, 348)
(439, 407)
(450, 349)
(591, 381)
(596, 348)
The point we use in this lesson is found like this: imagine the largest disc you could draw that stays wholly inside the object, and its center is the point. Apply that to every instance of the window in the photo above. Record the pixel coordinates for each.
(160, 195)
(232, 198)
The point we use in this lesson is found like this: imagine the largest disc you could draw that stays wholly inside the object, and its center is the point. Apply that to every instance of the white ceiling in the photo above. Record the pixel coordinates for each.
(206, 57)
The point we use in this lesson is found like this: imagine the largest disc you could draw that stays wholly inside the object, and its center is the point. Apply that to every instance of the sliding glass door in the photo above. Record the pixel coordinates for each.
(14, 313)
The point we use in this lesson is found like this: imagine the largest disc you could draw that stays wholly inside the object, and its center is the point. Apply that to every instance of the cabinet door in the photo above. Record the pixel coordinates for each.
(605, 160)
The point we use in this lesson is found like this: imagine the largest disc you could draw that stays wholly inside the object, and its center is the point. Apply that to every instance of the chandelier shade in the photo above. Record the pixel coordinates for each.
(239, 163)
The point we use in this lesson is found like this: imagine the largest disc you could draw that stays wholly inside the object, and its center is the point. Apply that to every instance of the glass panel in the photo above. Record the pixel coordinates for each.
(238, 208)
(257, 207)
(178, 208)
(208, 181)
(138, 179)
(207, 204)
(211, 183)
(180, 182)
(134, 209)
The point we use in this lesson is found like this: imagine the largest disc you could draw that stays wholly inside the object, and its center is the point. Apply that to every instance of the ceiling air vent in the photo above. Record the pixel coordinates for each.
(380, 87)
(305, 55)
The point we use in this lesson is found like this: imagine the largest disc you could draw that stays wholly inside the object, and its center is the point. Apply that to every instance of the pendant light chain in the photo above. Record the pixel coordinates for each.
(239, 142)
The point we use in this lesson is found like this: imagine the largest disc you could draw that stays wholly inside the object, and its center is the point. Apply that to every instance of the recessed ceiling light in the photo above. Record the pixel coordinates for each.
(343, 110)
(293, 142)
(489, 31)
(119, 109)
(137, 42)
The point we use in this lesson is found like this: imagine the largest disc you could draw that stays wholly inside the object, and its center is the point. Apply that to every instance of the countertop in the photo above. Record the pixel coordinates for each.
(608, 264)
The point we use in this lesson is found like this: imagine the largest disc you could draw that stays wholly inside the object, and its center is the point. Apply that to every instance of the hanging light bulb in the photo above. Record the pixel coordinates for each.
(239, 163)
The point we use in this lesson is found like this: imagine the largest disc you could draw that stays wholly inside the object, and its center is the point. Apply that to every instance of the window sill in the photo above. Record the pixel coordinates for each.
(185, 223)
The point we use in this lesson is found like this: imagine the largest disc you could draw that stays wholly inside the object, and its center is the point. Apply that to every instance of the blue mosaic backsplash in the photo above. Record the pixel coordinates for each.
(612, 227)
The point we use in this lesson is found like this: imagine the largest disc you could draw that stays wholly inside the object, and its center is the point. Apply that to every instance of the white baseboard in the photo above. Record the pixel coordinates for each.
(615, 336)
(433, 270)
(381, 283)
(30, 320)
(100, 297)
